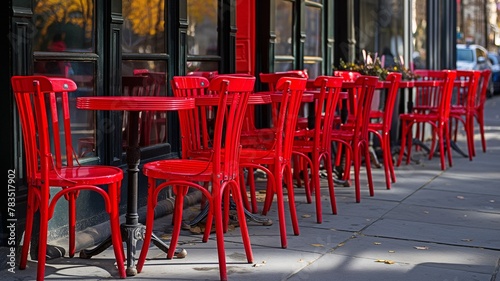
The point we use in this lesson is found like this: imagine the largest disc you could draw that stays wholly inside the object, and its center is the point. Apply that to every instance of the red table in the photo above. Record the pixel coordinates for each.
(132, 229)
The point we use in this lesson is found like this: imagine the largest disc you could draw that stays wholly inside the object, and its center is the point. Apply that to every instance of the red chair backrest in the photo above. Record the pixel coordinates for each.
(392, 89)
(434, 91)
(483, 83)
(193, 123)
(292, 90)
(325, 108)
(42, 103)
(365, 88)
(465, 90)
(234, 93)
(271, 79)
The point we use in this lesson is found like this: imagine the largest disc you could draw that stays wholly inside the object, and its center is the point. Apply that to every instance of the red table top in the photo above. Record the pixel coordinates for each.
(135, 103)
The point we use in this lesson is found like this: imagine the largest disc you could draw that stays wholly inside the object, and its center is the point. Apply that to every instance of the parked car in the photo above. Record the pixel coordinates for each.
(495, 71)
(474, 57)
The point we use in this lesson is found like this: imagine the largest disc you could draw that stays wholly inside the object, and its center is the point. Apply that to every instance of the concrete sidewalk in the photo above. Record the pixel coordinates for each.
(432, 225)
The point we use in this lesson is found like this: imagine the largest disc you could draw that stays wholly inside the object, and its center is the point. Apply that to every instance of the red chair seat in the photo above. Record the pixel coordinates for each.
(92, 175)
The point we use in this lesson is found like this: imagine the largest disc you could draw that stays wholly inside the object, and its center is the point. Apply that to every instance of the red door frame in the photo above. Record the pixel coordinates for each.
(245, 37)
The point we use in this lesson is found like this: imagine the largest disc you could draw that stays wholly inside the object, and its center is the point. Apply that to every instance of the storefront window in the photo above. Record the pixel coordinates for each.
(64, 26)
(419, 25)
(66, 29)
(313, 44)
(284, 40)
(147, 78)
(202, 35)
(382, 28)
(143, 29)
(143, 73)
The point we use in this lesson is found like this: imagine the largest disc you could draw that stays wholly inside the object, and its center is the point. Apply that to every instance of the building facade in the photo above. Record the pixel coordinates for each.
(100, 43)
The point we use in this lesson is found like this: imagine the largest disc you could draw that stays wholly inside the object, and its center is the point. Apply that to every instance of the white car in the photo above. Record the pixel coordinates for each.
(474, 57)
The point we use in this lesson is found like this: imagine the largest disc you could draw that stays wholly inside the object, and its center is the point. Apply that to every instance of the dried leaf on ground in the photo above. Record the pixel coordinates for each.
(386, 261)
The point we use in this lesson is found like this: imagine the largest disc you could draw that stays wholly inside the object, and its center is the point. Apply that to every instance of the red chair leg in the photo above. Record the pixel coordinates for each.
(149, 223)
(291, 199)
(114, 220)
(72, 223)
(243, 224)
(179, 207)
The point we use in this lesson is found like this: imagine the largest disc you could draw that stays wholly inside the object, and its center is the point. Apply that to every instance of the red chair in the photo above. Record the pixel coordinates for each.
(314, 145)
(381, 121)
(275, 158)
(271, 80)
(353, 135)
(221, 169)
(427, 98)
(462, 106)
(43, 108)
(436, 93)
(478, 110)
(254, 137)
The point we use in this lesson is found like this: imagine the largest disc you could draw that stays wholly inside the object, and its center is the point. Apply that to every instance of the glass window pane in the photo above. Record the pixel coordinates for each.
(313, 69)
(143, 28)
(381, 26)
(132, 67)
(282, 66)
(202, 30)
(64, 26)
(284, 25)
(83, 125)
(313, 20)
(148, 78)
(211, 66)
(313, 43)
(419, 34)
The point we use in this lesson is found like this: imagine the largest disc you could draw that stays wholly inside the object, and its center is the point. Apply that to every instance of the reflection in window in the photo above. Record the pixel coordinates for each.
(419, 25)
(82, 121)
(64, 26)
(202, 35)
(202, 27)
(381, 27)
(145, 78)
(283, 66)
(284, 25)
(143, 28)
(312, 45)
